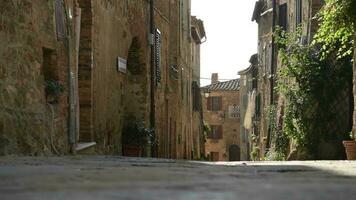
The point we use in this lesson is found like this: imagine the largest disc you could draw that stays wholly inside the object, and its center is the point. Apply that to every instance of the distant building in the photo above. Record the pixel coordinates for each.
(250, 112)
(221, 106)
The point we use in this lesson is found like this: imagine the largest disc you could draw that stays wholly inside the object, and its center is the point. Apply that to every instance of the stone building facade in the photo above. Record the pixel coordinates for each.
(221, 108)
(99, 59)
(249, 108)
(287, 14)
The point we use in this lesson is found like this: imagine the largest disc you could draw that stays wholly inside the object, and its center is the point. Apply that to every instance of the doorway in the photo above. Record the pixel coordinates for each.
(85, 73)
(234, 153)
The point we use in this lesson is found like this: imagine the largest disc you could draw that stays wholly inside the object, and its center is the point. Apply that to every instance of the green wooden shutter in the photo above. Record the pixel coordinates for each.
(158, 56)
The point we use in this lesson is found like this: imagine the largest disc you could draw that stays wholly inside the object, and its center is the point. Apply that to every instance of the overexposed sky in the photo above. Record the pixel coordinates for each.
(232, 36)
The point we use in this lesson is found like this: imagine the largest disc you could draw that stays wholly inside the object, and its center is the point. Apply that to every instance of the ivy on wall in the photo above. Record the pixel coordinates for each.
(311, 83)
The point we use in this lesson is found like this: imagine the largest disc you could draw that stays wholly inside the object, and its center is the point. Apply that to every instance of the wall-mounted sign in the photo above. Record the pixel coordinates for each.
(121, 65)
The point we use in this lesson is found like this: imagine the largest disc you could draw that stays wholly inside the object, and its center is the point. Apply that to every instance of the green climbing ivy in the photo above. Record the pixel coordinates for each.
(337, 27)
(310, 84)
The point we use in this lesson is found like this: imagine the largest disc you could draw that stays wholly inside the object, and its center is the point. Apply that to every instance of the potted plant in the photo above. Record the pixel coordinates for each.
(135, 138)
(350, 147)
(53, 90)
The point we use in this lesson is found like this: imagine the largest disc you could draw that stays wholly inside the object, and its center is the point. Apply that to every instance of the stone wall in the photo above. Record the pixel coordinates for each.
(30, 54)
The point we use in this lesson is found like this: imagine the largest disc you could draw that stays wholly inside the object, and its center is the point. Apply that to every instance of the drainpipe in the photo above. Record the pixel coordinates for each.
(268, 145)
(71, 110)
(152, 92)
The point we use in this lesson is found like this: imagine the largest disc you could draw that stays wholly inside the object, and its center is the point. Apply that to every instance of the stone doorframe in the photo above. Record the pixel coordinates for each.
(85, 72)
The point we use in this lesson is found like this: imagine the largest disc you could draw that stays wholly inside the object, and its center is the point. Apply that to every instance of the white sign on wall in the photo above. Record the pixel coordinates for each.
(121, 65)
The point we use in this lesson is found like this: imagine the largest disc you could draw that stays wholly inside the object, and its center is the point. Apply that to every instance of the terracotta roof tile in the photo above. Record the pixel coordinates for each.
(233, 85)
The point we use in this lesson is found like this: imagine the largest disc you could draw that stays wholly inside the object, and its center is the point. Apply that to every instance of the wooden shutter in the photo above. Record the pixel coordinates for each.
(158, 56)
(269, 59)
(59, 17)
(257, 105)
(283, 16)
(220, 132)
(219, 103)
(298, 11)
(209, 104)
(216, 103)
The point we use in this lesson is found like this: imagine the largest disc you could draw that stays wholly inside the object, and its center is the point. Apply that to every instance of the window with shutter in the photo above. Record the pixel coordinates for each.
(196, 96)
(214, 103)
(158, 56)
(283, 16)
(269, 59)
(298, 12)
(60, 19)
(216, 132)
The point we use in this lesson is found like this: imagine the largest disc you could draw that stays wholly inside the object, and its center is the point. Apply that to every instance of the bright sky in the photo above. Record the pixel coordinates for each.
(232, 36)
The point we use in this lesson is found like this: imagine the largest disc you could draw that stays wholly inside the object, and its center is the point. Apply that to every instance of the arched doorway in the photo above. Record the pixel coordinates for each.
(234, 153)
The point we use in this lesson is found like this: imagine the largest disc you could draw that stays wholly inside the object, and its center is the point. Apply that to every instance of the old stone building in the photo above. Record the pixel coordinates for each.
(74, 72)
(221, 107)
(287, 14)
(249, 106)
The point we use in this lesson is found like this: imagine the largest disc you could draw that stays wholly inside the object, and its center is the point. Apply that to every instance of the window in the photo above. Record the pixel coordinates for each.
(214, 103)
(158, 56)
(60, 25)
(283, 16)
(298, 12)
(234, 111)
(268, 59)
(258, 105)
(196, 96)
(216, 132)
(53, 87)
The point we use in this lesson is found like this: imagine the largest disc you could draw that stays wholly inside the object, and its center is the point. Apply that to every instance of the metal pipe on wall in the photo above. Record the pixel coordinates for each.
(274, 6)
(152, 82)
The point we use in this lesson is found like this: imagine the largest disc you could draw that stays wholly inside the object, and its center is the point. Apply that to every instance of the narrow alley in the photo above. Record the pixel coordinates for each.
(178, 99)
(110, 177)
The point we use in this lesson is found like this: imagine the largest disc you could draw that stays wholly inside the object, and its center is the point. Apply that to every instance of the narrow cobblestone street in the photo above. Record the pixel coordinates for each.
(134, 178)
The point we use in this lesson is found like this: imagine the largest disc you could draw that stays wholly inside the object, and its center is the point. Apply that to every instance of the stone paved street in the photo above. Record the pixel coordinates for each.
(132, 178)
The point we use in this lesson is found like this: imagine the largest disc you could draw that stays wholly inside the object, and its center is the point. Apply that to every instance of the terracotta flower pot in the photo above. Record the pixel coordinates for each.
(131, 151)
(350, 148)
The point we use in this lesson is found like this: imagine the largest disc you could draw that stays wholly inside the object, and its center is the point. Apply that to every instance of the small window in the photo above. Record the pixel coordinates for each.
(216, 132)
(53, 88)
(234, 112)
(214, 103)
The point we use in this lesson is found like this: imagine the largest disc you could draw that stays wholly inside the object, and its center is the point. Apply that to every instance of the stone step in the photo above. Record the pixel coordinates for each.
(85, 148)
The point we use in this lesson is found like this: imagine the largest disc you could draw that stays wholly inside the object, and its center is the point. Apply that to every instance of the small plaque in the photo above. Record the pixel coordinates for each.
(121, 65)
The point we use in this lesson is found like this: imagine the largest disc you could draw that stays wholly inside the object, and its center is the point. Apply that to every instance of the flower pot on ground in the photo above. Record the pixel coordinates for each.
(135, 138)
(132, 151)
(350, 148)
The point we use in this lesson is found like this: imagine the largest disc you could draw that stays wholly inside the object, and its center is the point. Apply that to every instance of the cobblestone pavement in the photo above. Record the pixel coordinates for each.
(99, 177)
